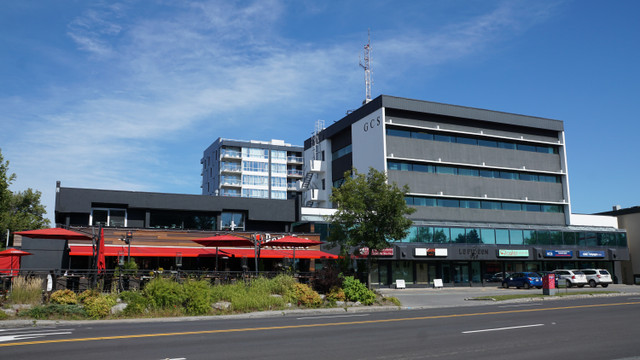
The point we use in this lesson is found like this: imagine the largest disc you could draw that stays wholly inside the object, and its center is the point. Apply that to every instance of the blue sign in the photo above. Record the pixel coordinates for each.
(591, 254)
(558, 253)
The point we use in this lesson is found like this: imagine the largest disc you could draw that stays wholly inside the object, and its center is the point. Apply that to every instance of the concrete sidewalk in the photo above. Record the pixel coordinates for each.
(462, 296)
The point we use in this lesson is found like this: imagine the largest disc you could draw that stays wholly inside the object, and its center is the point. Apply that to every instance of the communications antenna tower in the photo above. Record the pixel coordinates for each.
(316, 140)
(366, 65)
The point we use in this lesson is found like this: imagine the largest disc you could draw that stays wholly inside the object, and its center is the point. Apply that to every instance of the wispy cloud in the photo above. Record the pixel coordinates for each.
(160, 83)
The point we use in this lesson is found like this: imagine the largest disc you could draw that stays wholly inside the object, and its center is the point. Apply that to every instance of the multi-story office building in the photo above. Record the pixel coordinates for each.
(252, 169)
(629, 219)
(490, 189)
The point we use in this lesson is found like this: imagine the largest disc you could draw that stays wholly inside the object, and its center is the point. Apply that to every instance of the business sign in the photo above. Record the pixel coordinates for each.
(591, 254)
(558, 253)
(384, 252)
(513, 253)
(431, 252)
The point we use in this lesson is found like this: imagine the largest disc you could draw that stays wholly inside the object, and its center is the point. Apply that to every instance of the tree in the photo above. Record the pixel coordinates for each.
(21, 210)
(370, 213)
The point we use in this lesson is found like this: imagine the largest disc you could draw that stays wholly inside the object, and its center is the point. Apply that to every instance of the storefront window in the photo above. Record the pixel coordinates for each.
(403, 270)
(529, 237)
(569, 238)
(555, 237)
(232, 221)
(502, 236)
(473, 236)
(458, 235)
(516, 237)
(488, 236)
(441, 235)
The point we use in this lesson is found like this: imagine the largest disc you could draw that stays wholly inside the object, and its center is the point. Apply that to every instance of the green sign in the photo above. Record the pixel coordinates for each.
(512, 253)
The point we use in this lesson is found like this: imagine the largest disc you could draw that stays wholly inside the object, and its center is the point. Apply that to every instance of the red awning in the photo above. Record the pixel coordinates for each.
(224, 241)
(292, 241)
(148, 251)
(54, 233)
(279, 254)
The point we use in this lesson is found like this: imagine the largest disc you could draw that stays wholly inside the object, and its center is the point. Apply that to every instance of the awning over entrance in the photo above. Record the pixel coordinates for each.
(160, 251)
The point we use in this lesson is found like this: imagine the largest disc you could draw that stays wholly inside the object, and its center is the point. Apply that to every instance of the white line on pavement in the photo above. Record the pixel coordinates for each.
(500, 329)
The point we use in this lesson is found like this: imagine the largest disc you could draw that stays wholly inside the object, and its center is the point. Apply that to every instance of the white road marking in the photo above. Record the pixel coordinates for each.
(31, 335)
(330, 316)
(500, 329)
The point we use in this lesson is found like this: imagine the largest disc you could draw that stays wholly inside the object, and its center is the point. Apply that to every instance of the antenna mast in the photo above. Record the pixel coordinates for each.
(367, 67)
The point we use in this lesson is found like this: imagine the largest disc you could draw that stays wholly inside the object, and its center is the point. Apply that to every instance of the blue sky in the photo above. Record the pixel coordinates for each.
(127, 95)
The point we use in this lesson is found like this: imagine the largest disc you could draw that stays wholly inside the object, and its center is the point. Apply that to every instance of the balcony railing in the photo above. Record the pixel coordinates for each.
(231, 154)
(294, 172)
(295, 159)
(231, 168)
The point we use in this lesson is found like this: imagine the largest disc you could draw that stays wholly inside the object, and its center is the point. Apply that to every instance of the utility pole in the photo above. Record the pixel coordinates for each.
(366, 65)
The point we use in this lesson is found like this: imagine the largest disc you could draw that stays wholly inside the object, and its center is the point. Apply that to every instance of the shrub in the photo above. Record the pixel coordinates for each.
(197, 297)
(98, 307)
(326, 279)
(85, 295)
(282, 283)
(354, 290)
(136, 302)
(56, 311)
(3, 315)
(64, 297)
(336, 294)
(164, 293)
(303, 295)
(26, 290)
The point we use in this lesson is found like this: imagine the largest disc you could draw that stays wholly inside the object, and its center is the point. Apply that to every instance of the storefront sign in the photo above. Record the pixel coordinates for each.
(558, 253)
(431, 252)
(512, 253)
(591, 254)
(384, 252)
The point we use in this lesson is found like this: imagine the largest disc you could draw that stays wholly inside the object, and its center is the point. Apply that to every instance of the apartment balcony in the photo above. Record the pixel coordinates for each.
(294, 173)
(229, 168)
(295, 160)
(315, 166)
(230, 193)
(312, 194)
(294, 186)
(231, 183)
(230, 154)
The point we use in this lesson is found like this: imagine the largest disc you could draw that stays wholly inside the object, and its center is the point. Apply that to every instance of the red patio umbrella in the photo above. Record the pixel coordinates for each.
(14, 255)
(54, 233)
(292, 241)
(224, 240)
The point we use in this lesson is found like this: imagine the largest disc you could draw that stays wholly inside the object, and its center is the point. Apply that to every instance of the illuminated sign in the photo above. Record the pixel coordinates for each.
(384, 252)
(431, 252)
(512, 253)
(591, 254)
(558, 253)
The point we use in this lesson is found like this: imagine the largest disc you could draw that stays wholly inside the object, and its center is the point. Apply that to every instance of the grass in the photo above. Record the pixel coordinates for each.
(529, 296)
(26, 291)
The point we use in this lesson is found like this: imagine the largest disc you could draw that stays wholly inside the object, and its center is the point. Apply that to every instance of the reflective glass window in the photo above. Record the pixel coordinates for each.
(506, 145)
(532, 207)
(502, 236)
(99, 217)
(516, 237)
(511, 206)
(488, 236)
(529, 237)
(448, 203)
(621, 239)
(446, 170)
(441, 235)
(526, 147)
(408, 200)
(528, 177)
(510, 175)
(458, 235)
(423, 168)
(552, 208)
(421, 135)
(569, 238)
(470, 204)
(397, 132)
(544, 238)
(488, 143)
(473, 236)
(489, 173)
(468, 172)
(466, 140)
(444, 138)
(423, 201)
(491, 205)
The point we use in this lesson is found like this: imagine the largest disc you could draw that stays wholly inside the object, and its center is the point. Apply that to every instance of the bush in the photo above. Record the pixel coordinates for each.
(26, 291)
(336, 294)
(85, 295)
(354, 290)
(136, 302)
(164, 293)
(326, 279)
(3, 315)
(197, 297)
(303, 295)
(55, 311)
(64, 297)
(98, 307)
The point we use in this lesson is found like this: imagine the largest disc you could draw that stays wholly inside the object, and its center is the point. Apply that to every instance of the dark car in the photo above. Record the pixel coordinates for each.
(523, 279)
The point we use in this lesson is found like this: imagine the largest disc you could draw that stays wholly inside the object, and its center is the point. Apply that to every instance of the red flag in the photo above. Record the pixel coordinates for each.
(101, 261)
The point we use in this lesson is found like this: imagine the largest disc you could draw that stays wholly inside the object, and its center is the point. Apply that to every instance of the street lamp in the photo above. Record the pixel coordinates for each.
(127, 240)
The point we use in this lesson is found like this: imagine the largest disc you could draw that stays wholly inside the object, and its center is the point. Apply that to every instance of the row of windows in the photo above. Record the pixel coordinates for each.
(279, 182)
(229, 166)
(255, 193)
(277, 194)
(443, 235)
(482, 204)
(256, 166)
(255, 153)
(341, 152)
(278, 168)
(467, 171)
(255, 180)
(470, 140)
(278, 155)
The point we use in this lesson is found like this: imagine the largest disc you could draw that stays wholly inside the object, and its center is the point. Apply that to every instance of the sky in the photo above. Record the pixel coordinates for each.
(126, 95)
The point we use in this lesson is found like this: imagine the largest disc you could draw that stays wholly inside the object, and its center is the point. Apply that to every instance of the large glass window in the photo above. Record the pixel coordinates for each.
(255, 166)
(502, 236)
(109, 217)
(341, 152)
(516, 237)
(278, 168)
(255, 180)
(441, 235)
(255, 153)
(473, 236)
(280, 195)
(529, 237)
(232, 221)
(255, 193)
(569, 238)
(279, 182)
(458, 235)
(488, 236)
(278, 155)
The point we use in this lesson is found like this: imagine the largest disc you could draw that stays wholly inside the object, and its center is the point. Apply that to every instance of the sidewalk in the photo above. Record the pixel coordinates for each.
(423, 298)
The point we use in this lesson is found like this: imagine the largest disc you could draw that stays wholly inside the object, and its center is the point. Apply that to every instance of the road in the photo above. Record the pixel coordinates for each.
(597, 328)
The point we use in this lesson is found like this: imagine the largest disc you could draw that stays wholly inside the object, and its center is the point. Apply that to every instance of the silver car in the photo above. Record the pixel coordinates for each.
(572, 277)
(597, 277)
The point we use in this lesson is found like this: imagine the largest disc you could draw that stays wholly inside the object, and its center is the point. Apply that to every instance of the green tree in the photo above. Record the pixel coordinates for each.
(21, 210)
(370, 213)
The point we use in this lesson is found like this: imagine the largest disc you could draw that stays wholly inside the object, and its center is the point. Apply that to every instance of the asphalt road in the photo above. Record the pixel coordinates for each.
(596, 328)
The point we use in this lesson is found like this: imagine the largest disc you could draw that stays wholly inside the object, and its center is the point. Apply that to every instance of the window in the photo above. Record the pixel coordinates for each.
(280, 195)
(448, 203)
(466, 140)
(109, 217)
(446, 170)
(468, 172)
(502, 236)
(516, 237)
(506, 145)
(422, 135)
(470, 204)
(278, 168)
(255, 166)
(458, 235)
(488, 236)
(399, 133)
(255, 193)
(441, 235)
(278, 155)
(422, 201)
(256, 180)
(279, 182)
(255, 153)
(487, 143)
(341, 152)
(526, 147)
(444, 138)
(232, 221)
(491, 205)
(511, 206)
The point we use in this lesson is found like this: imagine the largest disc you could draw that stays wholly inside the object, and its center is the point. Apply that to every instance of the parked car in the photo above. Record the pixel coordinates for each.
(597, 277)
(523, 279)
(497, 277)
(572, 277)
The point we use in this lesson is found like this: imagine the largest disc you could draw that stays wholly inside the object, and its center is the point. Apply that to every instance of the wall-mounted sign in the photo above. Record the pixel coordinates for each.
(591, 254)
(384, 252)
(513, 253)
(430, 252)
(558, 253)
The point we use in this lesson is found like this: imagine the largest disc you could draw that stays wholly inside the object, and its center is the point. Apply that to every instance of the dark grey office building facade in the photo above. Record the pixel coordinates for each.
(490, 189)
